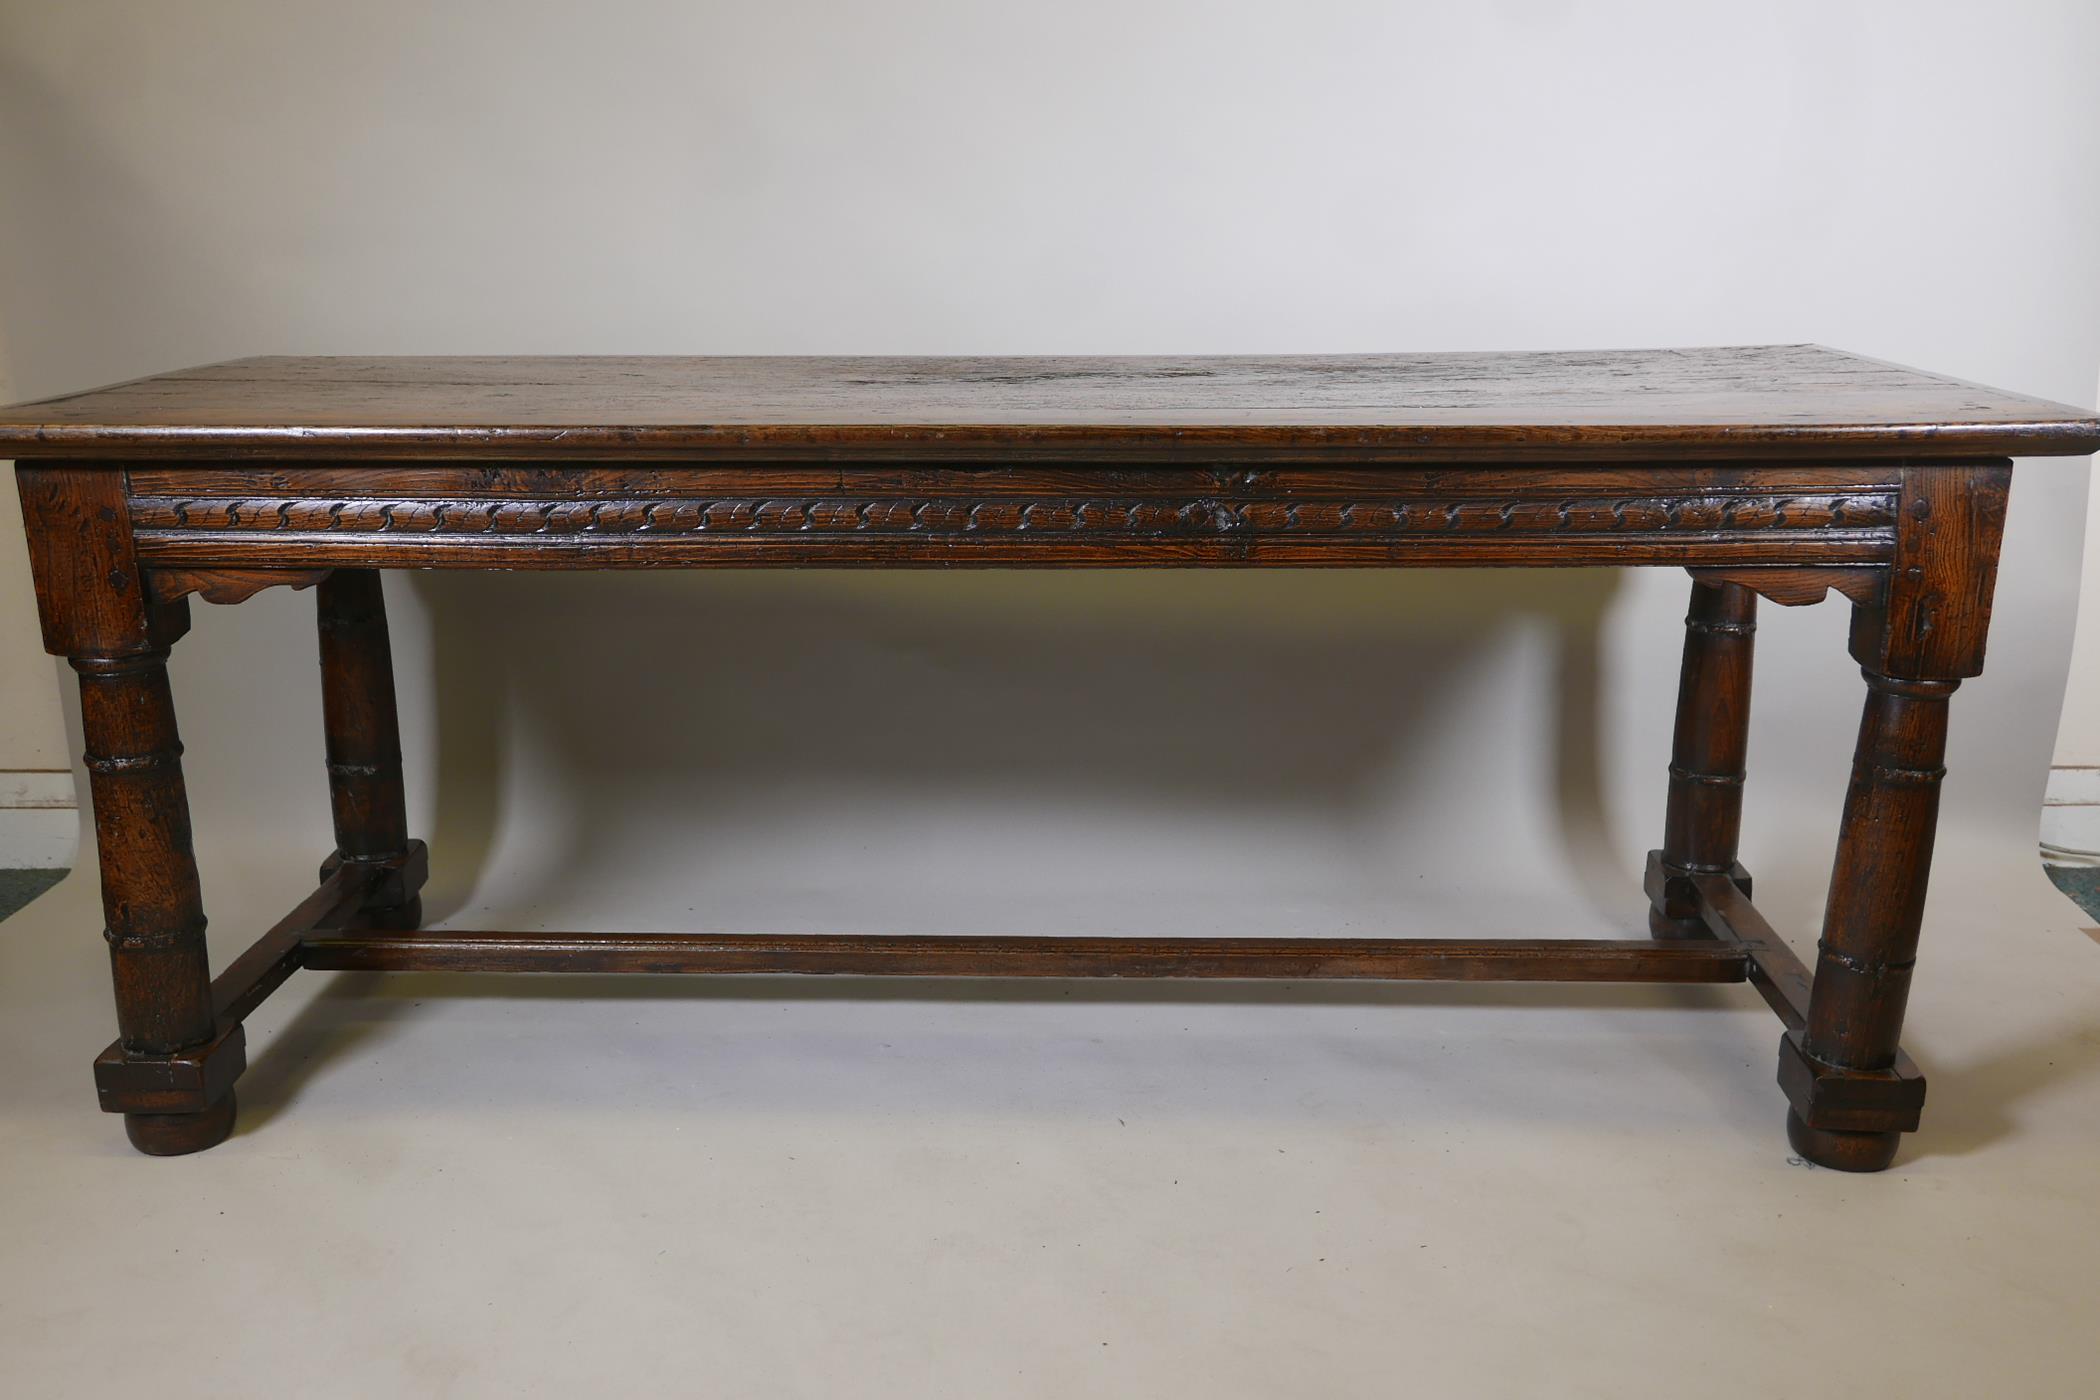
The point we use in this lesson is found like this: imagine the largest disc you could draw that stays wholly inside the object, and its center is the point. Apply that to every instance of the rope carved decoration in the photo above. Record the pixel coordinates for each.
(1202, 516)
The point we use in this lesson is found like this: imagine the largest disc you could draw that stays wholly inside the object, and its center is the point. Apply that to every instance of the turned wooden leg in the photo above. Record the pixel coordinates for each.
(1876, 904)
(1850, 1103)
(172, 1069)
(1705, 816)
(152, 904)
(364, 747)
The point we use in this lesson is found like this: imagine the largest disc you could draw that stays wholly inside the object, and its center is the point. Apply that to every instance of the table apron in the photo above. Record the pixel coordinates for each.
(698, 516)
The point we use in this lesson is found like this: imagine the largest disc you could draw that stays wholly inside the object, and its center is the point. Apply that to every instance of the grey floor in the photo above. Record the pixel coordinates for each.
(520, 1187)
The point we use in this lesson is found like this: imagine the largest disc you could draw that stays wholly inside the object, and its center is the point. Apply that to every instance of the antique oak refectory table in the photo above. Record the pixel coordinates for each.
(1786, 472)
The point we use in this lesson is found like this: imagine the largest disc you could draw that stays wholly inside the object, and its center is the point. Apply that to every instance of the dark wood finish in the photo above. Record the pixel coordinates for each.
(178, 1134)
(1777, 472)
(1723, 904)
(364, 741)
(95, 611)
(151, 900)
(1875, 1101)
(181, 1084)
(1648, 405)
(220, 486)
(688, 516)
(1383, 959)
(91, 596)
(336, 903)
(1797, 586)
(1916, 644)
(191, 1082)
(1704, 819)
(1877, 902)
(1933, 619)
(224, 586)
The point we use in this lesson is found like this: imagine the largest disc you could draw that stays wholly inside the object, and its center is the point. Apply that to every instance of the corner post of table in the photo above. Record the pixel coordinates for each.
(171, 1073)
(1915, 646)
(363, 732)
(1704, 820)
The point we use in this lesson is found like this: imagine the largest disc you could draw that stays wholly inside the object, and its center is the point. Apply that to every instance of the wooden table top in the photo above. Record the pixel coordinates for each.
(1648, 405)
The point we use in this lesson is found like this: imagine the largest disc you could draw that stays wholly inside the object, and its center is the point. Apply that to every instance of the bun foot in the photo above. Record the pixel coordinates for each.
(174, 1134)
(1844, 1152)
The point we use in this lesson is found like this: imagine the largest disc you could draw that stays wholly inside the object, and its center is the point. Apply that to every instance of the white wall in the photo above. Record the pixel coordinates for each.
(32, 739)
(2078, 740)
(2071, 814)
(1919, 181)
(37, 822)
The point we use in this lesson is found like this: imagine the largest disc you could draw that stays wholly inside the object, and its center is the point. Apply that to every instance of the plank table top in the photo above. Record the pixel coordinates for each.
(1766, 401)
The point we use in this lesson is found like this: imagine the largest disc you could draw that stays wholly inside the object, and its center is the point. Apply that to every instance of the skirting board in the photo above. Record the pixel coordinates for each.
(2071, 817)
(39, 821)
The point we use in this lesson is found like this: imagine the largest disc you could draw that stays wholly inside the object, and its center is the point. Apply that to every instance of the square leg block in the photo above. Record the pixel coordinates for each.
(188, 1081)
(398, 881)
(1849, 1101)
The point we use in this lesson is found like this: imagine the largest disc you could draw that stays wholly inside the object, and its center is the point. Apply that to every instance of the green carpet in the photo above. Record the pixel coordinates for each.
(2082, 883)
(18, 887)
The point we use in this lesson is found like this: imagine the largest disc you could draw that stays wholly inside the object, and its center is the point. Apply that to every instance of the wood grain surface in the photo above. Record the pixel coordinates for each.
(1659, 404)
